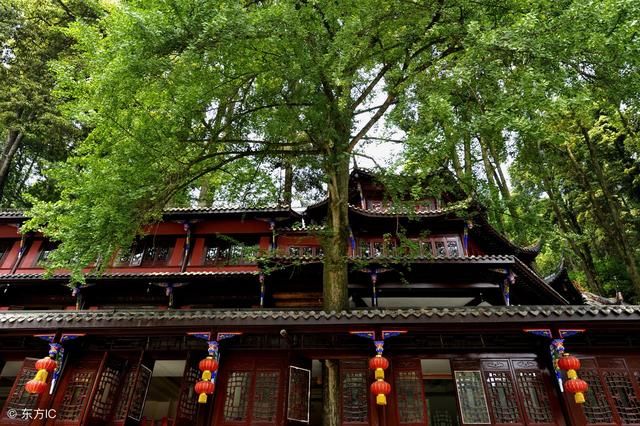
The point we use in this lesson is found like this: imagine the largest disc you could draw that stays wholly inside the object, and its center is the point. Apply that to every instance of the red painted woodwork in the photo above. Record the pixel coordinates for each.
(19, 399)
(407, 403)
(250, 390)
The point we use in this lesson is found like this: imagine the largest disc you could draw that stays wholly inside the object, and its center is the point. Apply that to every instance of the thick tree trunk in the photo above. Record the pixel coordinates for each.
(581, 250)
(615, 218)
(331, 390)
(335, 251)
(12, 143)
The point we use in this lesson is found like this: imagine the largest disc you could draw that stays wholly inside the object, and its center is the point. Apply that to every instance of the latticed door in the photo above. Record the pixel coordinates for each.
(408, 393)
(505, 392)
(354, 390)
(188, 400)
(250, 391)
(614, 391)
(76, 390)
(19, 399)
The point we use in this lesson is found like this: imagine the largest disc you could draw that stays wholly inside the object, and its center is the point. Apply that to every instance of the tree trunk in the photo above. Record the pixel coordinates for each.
(12, 143)
(468, 166)
(616, 222)
(335, 251)
(581, 250)
(489, 172)
(288, 184)
(331, 390)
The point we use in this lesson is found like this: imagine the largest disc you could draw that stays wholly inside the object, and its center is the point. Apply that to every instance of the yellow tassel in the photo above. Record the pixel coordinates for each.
(41, 376)
(379, 374)
(202, 399)
(206, 375)
(572, 374)
(381, 399)
(579, 398)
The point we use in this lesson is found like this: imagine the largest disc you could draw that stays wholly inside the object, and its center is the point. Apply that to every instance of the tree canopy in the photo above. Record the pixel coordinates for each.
(533, 106)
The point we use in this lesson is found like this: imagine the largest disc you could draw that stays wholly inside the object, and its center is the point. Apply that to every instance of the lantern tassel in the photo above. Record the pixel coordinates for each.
(41, 376)
(381, 399)
(206, 375)
(572, 374)
(579, 397)
(202, 399)
(379, 374)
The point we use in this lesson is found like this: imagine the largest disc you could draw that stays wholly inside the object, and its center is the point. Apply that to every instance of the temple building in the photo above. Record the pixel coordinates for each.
(214, 317)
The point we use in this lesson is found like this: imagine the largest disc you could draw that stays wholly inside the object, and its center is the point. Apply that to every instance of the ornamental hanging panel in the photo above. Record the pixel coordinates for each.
(19, 399)
(299, 394)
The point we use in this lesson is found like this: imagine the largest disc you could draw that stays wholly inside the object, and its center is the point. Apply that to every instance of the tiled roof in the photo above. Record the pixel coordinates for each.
(177, 211)
(158, 319)
(300, 228)
(496, 259)
(407, 211)
(128, 275)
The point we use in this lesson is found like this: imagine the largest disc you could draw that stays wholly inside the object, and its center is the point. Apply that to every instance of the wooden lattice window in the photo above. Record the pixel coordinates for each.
(596, 408)
(267, 384)
(187, 403)
(471, 397)
(410, 397)
(355, 392)
(236, 399)
(623, 395)
(106, 392)
(501, 394)
(534, 396)
(122, 408)
(75, 396)
(299, 393)
(140, 393)
(19, 399)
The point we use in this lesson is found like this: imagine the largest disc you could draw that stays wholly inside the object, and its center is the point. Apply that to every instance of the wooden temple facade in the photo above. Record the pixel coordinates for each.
(471, 332)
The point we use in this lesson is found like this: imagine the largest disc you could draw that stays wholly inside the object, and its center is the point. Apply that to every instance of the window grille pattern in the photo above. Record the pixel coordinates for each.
(187, 406)
(20, 399)
(140, 393)
(355, 397)
(623, 396)
(502, 397)
(75, 396)
(452, 248)
(105, 394)
(596, 407)
(127, 389)
(265, 401)
(236, 401)
(473, 403)
(534, 397)
(410, 397)
(298, 397)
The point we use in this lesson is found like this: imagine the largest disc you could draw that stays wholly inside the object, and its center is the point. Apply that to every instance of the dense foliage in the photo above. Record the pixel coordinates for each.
(532, 105)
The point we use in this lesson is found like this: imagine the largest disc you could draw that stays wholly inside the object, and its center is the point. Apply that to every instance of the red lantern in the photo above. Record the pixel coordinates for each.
(208, 364)
(204, 388)
(35, 386)
(380, 389)
(569, 362)
(378, 362)
(578, 387)
(47, 364)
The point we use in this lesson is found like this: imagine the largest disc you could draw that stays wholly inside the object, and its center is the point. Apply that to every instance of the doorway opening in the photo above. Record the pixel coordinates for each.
(440, 392)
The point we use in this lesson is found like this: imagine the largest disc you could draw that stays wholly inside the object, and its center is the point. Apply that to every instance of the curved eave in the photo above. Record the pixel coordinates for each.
(163, 321)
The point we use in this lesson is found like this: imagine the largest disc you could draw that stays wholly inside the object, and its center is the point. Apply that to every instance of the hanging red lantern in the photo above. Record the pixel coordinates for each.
(208, 366)
(47, 364)
(35, 386)
(44, 366)
(379, 364)
(204, 388)
(381, 389)
(569, 362)
(577, 387)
